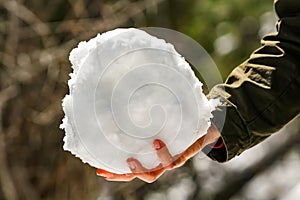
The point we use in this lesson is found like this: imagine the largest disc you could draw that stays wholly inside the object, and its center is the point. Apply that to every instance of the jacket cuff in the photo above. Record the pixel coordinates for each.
(234, 134)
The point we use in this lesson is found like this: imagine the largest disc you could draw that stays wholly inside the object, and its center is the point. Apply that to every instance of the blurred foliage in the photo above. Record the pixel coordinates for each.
(36, 37)
(206, 21)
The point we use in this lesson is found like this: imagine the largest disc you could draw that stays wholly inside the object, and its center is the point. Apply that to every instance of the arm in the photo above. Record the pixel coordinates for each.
(263, 94)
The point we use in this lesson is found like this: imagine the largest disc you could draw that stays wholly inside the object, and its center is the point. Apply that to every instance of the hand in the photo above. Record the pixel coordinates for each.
(168, 161)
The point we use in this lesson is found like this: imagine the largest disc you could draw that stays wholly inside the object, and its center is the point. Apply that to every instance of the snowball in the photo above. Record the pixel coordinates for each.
(127, 89)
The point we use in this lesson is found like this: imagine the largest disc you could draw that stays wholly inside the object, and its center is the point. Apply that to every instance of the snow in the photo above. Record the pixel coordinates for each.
(127, 89)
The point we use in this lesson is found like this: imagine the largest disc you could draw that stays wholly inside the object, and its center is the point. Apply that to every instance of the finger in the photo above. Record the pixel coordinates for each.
(102, 172)
(162, 152)
(113, 176)
(152, 176)
(121, 177)
(135, 166)
(147, 175)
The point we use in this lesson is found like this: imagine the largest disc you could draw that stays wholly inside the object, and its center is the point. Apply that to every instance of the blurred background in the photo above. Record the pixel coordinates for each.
(36, 37)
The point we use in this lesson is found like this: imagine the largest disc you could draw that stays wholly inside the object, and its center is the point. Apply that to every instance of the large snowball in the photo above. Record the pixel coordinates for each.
(127, 89)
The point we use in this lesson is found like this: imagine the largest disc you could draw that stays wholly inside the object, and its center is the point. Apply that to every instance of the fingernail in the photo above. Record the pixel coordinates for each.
(100, 172)
(103, 175)
(132, 165)
(157, 144)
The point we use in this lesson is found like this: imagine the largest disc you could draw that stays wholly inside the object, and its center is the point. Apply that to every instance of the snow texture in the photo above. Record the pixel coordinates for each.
(127, 89)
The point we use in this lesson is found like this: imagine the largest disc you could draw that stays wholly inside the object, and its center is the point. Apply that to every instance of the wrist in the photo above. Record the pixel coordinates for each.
(211, 136)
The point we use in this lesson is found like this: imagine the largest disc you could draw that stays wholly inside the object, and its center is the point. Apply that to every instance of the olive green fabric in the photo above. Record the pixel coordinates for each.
(263, 94)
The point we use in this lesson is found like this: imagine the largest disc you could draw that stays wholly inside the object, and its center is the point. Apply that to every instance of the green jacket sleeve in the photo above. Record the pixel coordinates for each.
(262, 94)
